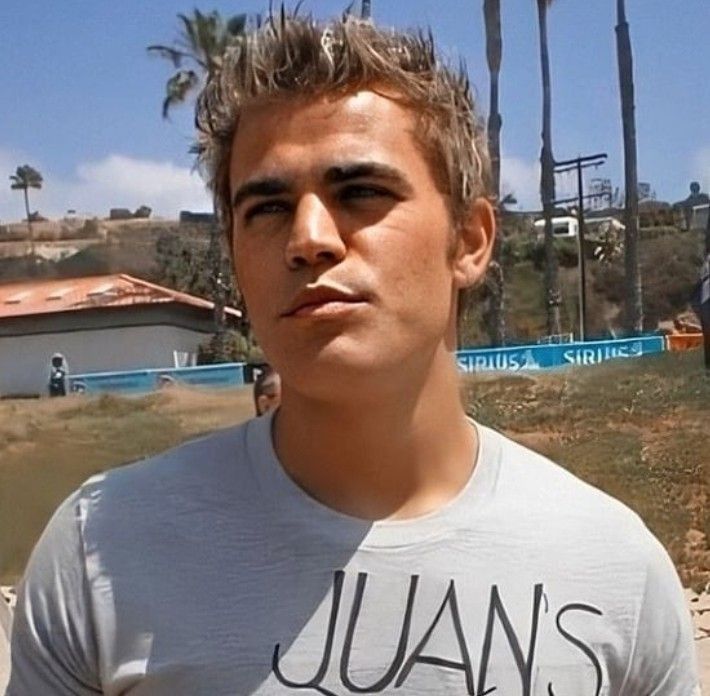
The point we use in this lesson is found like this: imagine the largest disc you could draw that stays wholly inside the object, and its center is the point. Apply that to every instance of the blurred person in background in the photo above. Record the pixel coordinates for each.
(58, 370)
(267, 390)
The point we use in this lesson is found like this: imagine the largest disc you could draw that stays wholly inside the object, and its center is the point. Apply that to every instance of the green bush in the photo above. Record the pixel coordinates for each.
(670, 267)
(517, 249)
(566, 250)
(230, 346)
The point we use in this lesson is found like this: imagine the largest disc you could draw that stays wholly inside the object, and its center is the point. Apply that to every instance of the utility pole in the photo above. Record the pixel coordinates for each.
(578, 164)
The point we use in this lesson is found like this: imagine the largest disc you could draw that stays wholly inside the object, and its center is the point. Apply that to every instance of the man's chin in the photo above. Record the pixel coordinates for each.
(334, 369)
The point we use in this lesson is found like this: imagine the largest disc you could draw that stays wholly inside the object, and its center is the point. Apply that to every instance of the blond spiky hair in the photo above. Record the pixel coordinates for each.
(292, 56)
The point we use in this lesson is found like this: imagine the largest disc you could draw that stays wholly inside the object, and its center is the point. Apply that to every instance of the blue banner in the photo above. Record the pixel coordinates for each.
(139, 381)
(545, 357)
(511, 359)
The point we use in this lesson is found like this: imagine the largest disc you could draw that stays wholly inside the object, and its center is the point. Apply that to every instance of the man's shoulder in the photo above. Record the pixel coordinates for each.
(536, 484)
(210, 461)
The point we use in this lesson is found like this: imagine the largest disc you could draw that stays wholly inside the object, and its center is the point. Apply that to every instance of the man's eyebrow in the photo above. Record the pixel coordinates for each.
(355, 170)
(268, 186)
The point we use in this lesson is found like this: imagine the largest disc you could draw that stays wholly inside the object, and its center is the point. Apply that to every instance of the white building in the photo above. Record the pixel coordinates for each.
(567, 226)
(99, 323)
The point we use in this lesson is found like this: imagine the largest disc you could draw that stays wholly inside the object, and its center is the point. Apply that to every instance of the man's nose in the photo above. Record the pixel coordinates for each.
(315, 237)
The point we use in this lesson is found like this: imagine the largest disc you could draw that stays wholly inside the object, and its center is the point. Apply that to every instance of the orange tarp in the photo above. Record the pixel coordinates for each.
(684, 341)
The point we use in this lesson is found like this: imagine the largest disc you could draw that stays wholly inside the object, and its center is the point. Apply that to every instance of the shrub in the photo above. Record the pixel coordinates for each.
(670, 267)
(230, 346)
(566, 250)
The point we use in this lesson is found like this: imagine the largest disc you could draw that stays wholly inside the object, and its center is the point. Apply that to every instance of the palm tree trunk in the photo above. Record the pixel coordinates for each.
(633, 306)
(495, 319)
(214, 260)
(547, 180)
(30, 231)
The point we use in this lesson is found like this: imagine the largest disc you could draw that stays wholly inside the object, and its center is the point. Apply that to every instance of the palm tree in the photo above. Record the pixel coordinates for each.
(366, 9)
(496, 281)
(547, 178)
(25, 178)
(633, 308)
(201, 44)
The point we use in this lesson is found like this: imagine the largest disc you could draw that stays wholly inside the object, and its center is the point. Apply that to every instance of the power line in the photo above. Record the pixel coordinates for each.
(578, 164)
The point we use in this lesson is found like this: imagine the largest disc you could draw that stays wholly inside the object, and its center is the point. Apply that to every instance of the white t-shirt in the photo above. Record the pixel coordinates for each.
(207, 570)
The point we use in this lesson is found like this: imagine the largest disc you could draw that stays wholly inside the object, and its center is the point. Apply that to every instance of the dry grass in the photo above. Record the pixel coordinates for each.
(48, 447)
(637, 429)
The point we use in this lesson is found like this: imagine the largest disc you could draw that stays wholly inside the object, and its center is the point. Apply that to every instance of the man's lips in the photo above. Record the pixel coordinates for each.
(322, 298)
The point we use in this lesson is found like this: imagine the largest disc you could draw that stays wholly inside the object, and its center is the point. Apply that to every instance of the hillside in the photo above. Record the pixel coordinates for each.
(670, 261)
(92, 248)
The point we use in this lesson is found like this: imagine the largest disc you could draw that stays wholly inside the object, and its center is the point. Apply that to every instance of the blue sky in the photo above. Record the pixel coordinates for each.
(80, 98)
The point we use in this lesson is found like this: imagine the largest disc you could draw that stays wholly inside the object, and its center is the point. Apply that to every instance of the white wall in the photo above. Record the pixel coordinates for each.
(24, 360)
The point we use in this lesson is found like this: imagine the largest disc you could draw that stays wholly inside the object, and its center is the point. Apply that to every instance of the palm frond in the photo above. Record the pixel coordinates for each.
(189, 29)
(26, 177)
(177, 89)
(236, 25)
(174, 55)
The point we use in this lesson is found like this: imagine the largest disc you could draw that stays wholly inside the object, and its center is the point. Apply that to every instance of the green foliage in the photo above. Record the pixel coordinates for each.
(201, 42)
(229, 346)
(521, 248)
(183, 264)
(670, 268)
(26, 177)
(471, 325)
(658, 216)
(514, 224)
(517, 249)
(566, 250)
(659, 231)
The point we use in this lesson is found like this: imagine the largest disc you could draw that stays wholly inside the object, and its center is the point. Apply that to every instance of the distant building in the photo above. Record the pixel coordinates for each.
(645, 192)
(698, 219)
(567, 226)
(100, 323)
(601, 193)
(120, 214)
(189, 216)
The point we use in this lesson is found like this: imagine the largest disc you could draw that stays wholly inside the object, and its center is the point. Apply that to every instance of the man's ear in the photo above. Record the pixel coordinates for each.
(474, 245)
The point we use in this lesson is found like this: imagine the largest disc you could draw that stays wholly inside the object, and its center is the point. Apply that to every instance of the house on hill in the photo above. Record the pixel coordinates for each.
(99, 323)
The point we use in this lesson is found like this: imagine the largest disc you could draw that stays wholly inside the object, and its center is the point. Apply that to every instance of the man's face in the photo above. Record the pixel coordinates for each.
(342, 242)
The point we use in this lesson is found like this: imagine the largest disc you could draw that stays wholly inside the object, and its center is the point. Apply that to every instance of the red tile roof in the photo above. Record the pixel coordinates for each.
(73, 294)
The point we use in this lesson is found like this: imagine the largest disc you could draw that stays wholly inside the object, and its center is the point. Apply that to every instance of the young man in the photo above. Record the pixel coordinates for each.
(267, 391)
(369, 537)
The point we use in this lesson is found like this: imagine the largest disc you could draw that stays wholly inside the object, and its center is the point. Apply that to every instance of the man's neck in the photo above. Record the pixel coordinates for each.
(404, 453)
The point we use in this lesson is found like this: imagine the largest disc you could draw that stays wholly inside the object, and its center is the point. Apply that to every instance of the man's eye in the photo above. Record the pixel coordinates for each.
(355, 191)
(266, 208)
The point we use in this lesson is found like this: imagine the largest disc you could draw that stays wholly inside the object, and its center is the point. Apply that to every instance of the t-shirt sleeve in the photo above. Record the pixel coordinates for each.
(663, 660)
(53, 645)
